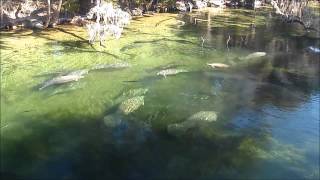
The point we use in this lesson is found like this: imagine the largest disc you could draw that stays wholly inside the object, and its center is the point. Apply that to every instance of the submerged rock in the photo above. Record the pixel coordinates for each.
(254, 55)
(167, 72)
(130, 105)
(218, 65)
(193, 122)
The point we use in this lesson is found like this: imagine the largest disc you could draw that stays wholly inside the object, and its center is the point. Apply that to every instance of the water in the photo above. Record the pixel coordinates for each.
(268, 107)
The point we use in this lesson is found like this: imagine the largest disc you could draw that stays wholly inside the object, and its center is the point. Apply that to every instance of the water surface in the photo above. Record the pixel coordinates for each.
(267, 107)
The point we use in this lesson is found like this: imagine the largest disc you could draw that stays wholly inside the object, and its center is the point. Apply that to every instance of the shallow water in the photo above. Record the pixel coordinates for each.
(267, 107)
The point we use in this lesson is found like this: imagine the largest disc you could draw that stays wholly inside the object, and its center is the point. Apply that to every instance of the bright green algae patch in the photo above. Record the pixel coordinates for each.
(125, 113)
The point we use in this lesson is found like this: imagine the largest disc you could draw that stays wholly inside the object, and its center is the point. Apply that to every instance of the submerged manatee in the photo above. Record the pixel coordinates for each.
(167, 72)
(111, 66)
(130, 105)
(112, 120)
(130, 94)
(208, 116)
(70, 77)
(127, 133)
(67, 89)
(254, 55)
(195, 121)
(135, 92)
(218, 65)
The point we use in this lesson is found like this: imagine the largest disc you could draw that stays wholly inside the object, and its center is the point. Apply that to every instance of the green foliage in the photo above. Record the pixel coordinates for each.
(71, 6)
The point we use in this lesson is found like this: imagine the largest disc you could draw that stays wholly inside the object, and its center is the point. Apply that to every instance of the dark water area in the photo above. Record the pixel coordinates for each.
(267, 108)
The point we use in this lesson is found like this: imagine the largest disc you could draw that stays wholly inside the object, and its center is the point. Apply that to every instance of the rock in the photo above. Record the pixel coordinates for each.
(33, 24)
(78, 20)
(181, 6)
(218, 65)
(136, 12)
(52, 25)
(130, 105)
(217, 3)
(201, 4)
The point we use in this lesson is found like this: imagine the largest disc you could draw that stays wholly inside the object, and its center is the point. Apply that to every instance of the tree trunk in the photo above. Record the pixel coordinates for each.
(57, 13)
(49, 15)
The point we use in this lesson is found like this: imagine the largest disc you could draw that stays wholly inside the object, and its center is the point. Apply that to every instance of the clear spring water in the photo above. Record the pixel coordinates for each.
(267, 107)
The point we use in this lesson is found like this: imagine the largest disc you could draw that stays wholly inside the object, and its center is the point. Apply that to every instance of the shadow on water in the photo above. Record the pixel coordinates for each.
(93, 150)
(71, 46)
(84, 154)
(72, 34)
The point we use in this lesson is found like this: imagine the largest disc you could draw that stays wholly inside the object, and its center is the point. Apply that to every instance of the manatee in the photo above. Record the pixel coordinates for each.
(78, 72)
(218, 65)
(111, 121)
(208, 116)
(130, 94)
(194, 121)
(135, 92)
(70, 77)
(164, 67)
(67, 89)
(111, 66)
(254, 55)
(167, 72)
(130, 105)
